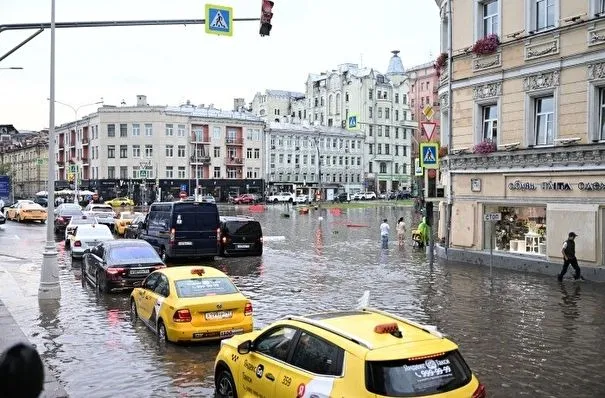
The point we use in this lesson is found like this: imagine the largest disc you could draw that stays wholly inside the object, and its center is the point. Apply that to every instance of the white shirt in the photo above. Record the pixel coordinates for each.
(384, 229)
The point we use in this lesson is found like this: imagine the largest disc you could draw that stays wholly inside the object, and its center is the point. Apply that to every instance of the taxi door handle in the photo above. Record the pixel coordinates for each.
(270, 377)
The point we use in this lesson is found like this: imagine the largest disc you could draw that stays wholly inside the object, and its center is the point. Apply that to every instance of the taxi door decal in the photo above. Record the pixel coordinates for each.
(318, 387)
(155, 313)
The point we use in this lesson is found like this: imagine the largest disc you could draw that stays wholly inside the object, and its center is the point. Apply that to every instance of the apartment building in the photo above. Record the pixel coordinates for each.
(25, 156)
(137, 149)
(298, 153)
(378, 100)
(528, 133)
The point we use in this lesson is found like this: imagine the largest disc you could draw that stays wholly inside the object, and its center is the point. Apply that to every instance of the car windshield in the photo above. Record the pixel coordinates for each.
(99, 231)
(99, 208)
(71, 206)
(201, 287)
(133, 254)
(243, 228)
(413, 377)
(71, 211)
(82, 221)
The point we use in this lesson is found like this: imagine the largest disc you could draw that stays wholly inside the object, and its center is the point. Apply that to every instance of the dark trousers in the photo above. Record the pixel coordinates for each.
(574, 263)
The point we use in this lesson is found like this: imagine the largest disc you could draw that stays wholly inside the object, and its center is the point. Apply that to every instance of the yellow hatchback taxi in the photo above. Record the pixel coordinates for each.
(183, 304)
(360, 353)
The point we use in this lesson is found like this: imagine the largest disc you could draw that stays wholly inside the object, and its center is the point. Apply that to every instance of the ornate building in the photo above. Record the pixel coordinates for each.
(528, 134)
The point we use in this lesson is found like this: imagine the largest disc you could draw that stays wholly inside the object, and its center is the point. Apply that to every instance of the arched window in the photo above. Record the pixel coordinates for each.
(330, 104)
(338, 103)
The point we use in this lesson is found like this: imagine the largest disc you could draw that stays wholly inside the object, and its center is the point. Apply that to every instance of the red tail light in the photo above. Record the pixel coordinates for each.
(60, 219)
(218, 234)
(480, 392)
(225, 239)
(182, 316)
(115, 271)
(248, 309)
(77, 243)
(172, 235)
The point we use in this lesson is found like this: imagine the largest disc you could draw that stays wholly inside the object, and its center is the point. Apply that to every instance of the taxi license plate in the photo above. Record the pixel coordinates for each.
(139, 271)
(243, 246)
(185, 243)
(212, 316)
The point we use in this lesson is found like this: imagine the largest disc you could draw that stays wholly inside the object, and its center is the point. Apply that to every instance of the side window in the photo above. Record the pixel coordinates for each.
(316, 355)
(152, 281)
(276, 343)
(162, 287)
(100, 251)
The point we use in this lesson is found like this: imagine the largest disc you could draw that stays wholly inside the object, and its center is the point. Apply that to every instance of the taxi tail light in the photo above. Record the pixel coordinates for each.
(480, 392)
(182, 316)
(386, 328)
(77, 243)
(172, 235)
(248, 309)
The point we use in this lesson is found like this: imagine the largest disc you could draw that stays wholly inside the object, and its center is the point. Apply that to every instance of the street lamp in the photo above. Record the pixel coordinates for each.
(76, 109)
(50, 288)
(317, 141)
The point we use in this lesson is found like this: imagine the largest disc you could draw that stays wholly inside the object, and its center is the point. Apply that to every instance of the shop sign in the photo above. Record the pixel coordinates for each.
(555, 186)
(591, 186)
(522, 186)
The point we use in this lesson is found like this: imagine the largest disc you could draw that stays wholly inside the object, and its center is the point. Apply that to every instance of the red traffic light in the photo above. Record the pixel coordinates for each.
(265, 17)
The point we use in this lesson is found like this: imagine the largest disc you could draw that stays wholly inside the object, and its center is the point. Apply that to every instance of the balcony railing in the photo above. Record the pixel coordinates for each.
(84, 141)
(200, 159)
(234, 162)
(235, 141)
(199, 140)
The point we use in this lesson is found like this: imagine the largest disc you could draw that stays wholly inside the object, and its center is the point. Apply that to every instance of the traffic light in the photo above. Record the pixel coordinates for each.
(265, 17)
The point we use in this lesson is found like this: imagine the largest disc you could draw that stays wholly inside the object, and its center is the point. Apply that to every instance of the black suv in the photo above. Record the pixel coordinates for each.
(241, 236)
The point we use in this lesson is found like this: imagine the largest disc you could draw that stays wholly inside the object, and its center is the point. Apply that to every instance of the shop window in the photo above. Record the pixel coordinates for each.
(521, 230)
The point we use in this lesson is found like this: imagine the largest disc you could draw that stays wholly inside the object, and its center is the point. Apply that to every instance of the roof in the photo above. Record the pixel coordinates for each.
(395, 65)
(193, 111)
(184, 272)
(286, 94)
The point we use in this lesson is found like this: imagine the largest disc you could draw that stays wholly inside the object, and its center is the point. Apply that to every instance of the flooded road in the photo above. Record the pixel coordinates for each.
(523, 335)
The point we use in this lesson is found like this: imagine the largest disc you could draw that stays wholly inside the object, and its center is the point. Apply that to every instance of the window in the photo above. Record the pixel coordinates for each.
(370, 114)
(517, 224)
(217, 151)
(124, 172)
(123, 131)
(490, 18)
(257, 153)
(249, 172)
(396, 115)
(490, 123)
(169, 151)
(123, 152)
(169, 172)
(217, 172)
(181, 151)
(231, 172)
(148, 130)
(386, 131)
(396, 98)
(136, 151)
(545, 14)
(136, 130)
(370, 93)
(601, 131)
(371, 149)
(216, 133)
(111, 151)
(276, 343)
(148, 151)
(387, 113)
(544, 113)
(249, 153)
(111, 130)
(387, 149)
(111, 172)
(181, 172)
(383, 167)
(169, 130)
(379, 112)
(182, 130)
(135, 172)
(379, 151)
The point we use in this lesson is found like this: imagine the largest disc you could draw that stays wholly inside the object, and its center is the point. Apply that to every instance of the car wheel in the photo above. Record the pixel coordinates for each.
(225, 386)
(134, 316)
(162, 335)
(102, 282)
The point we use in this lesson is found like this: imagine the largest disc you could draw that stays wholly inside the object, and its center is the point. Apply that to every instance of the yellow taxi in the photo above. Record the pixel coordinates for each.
(124, 219)
(193, 303)
(358, 353)
(26, 210)
(117, 202)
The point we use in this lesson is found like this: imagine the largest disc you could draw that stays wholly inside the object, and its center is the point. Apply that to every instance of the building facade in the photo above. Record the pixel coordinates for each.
(299, 153)
(528, 134)
(137, 149)
(380, 104)
(25, 156)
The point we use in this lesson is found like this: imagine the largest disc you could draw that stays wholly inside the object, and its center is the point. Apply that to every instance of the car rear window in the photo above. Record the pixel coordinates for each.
(71, 212)
(99, 231)
(133, 254)
(416, 377)
(99, 208)
(195, 216)
(243, 227)
(201, 287)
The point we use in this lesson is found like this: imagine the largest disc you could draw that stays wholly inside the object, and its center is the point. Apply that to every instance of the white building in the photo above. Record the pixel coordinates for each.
(118, 148)
(380, 102)
(296, 150)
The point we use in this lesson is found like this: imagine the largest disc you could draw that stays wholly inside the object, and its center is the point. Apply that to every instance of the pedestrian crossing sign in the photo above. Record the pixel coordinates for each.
(352, 122)
(429, 155)
(219, 20)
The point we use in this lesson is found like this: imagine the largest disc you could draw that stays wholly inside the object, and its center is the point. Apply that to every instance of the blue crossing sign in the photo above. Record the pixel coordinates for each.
(429, 155)
(352, 122)
(219, 20)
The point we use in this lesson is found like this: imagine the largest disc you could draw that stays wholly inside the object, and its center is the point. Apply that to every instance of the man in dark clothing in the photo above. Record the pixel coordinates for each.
(569, 257)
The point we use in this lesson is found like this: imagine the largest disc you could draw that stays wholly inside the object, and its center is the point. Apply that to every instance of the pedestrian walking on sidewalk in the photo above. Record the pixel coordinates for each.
(401, 231)
(384, 234)
(569, 257)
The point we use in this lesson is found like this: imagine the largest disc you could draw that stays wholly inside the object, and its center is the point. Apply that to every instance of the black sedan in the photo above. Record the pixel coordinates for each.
(63, 217)
(120, 264)
(134, 229)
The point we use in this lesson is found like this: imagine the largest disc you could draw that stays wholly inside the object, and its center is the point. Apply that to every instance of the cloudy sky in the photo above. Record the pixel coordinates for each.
(171, 64)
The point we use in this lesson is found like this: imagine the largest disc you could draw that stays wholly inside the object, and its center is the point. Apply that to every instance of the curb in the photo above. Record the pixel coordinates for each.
(10, 334)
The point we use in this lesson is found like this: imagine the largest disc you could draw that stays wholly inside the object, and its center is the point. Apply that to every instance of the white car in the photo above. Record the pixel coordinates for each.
(281, 197)
(87, 237)
(103, 213)
(364, 196)
(70, 229)
(302, 199)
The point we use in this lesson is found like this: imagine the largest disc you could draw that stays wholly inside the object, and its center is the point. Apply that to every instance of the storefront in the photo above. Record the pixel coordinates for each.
(530, 214)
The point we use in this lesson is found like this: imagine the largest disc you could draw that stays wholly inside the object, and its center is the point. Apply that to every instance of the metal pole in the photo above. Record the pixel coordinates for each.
(491, 249)
(450, 136)
(197, 176)
(75, 163)
(318, 168)
(50, 288)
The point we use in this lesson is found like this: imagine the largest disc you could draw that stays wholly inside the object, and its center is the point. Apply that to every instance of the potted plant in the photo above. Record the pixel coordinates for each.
(485, 146)
(486, 45)
(440, 63)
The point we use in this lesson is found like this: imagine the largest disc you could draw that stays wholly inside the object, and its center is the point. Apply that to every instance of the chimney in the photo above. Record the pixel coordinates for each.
(141, 100)
(188, 102)
(239, 104)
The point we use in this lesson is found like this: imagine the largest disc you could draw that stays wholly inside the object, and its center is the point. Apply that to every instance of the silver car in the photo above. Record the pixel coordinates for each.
(87, 237)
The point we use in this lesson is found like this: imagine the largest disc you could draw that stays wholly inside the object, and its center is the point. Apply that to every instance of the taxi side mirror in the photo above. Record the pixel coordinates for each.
(244, 347)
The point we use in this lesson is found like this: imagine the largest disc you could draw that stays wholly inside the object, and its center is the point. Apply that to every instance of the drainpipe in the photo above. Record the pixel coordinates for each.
(449, 127)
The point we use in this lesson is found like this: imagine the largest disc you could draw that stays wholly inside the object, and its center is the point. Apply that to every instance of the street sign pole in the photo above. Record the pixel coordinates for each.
(490, 220)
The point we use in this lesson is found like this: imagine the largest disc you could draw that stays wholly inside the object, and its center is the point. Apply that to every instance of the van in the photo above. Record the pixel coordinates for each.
(182, 229)
(241, 236)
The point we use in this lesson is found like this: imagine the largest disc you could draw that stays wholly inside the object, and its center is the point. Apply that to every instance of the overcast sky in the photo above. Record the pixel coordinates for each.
(171, 64)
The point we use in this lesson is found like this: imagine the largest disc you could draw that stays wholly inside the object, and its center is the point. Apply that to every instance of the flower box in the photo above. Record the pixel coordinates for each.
(486, 146)
(486, 45)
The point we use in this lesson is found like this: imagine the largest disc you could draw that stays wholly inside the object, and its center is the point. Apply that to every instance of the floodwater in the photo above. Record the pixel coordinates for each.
(522, 334)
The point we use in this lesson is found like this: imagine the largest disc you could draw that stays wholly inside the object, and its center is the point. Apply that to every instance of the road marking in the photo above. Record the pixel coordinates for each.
(17, 237)
(273, 238)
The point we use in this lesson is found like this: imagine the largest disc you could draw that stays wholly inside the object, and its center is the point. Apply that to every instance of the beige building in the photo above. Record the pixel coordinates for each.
(528, 128)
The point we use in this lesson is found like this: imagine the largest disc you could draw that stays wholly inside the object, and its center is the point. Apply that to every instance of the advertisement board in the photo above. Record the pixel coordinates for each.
(5, 187)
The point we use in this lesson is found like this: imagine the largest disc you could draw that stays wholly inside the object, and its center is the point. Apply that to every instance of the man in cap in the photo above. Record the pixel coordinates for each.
(569, 257)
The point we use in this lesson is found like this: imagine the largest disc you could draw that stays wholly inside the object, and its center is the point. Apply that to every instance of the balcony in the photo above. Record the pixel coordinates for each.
(234, 141)
(85, 159)
(200, 159)
(201, 139)
(234, 162)
(84, 141)
(534, 159)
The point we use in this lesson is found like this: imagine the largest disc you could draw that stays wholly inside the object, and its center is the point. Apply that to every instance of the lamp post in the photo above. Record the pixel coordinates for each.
(317, 142)
(76, 109)
(50, 288)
